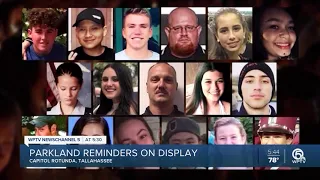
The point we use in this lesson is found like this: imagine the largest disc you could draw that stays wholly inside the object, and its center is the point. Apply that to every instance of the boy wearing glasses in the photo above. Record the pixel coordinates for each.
(183, 33)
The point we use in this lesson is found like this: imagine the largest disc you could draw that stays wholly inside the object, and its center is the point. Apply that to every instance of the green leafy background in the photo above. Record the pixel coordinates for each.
(62, 39)
(247, 123)
(61, 122)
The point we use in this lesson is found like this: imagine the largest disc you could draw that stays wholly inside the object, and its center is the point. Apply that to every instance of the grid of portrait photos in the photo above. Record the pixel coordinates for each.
(170, 75)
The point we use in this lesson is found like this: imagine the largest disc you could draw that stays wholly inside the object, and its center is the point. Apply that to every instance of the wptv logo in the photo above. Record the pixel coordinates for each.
(298, 156)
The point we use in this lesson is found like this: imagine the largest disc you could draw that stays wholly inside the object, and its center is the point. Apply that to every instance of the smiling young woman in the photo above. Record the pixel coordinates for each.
(230, 35)
(275, 34)
(116, 97)
(209, 89)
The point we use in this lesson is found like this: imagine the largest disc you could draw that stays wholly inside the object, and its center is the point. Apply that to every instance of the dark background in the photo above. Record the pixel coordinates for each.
(299, 94)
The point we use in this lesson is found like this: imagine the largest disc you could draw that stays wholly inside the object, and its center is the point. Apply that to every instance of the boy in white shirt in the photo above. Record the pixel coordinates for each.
(136, 31)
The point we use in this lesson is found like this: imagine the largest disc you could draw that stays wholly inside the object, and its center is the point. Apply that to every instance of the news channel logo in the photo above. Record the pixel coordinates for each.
(298, 156)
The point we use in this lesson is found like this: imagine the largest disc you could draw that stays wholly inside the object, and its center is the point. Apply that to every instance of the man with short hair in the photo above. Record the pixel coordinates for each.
(183, 33)
(137, 31)
(43, 30)
(90, 31)
(45, 126)
(161, 87)
(277, 131)
(256, 87)
(182, 131)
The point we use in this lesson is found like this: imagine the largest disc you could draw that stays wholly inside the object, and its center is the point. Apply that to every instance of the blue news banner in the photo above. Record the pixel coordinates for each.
(169, 156)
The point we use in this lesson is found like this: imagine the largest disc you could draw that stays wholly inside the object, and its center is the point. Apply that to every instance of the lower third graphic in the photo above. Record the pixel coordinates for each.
(298, 156)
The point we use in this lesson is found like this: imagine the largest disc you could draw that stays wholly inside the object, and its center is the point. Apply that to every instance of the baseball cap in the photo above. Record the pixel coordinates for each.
(181, 124)
(92, 14)
(284, 125)
(41, 121)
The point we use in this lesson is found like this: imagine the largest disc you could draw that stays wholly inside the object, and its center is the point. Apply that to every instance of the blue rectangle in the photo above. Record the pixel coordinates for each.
(97, 156)
(271, 156)
(170, 156)
(231, 155)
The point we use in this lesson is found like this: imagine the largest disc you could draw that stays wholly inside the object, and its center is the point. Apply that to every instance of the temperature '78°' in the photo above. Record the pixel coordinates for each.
(273, 159)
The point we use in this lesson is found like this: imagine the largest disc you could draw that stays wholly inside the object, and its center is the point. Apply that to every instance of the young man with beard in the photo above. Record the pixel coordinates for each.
(90, 31)
(256, 87)
(183, 33)
(45, 126)
(137, 31)
(161, 87)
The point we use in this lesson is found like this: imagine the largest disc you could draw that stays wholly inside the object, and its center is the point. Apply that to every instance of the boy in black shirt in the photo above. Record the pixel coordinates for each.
(90, 31)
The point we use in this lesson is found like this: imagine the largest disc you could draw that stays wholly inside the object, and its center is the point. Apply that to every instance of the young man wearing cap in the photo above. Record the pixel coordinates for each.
(184, 131)
(137, 31)
(90, 31)
(277, 131)
(42, 32)
(45, 126)
(256, 87)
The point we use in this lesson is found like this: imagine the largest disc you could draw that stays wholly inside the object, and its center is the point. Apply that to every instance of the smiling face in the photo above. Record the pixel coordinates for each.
(43, 38)
(137, 31)
(277, 32)
(230, 32)
(90, 34)
(212, 85)
(110, 84)
(256, 89)
(229, 134)
(272, 138)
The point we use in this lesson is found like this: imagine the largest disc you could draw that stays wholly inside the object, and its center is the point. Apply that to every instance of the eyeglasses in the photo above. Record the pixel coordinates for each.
(178, 29)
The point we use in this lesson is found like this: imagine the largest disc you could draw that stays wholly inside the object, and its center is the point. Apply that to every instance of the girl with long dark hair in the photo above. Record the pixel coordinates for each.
(209, 86)
(116, 97)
